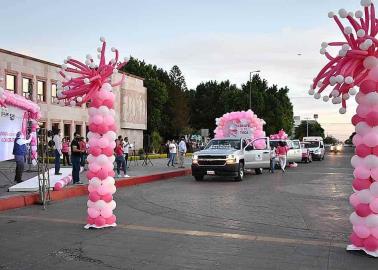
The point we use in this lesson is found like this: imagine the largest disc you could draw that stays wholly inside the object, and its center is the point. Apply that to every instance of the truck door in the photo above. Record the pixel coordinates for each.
(290, 151)
(297, 151)
(257, 154)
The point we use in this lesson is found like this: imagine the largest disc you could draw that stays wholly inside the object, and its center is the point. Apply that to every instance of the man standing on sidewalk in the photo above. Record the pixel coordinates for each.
(182, 152)
(19, 152)
(57, 150)
(75, 158)
(126, 147)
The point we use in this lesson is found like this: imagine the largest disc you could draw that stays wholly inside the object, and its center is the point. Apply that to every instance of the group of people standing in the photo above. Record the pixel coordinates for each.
(281, 153)
(174, 149)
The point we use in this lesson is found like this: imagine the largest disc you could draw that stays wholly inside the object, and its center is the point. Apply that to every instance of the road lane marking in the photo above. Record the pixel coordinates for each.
(234, 236)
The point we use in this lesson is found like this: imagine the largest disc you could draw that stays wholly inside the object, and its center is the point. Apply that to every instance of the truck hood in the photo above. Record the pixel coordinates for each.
(216, 152)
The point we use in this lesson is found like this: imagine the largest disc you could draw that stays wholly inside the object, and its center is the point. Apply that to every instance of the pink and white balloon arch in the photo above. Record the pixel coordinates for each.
(243, 124)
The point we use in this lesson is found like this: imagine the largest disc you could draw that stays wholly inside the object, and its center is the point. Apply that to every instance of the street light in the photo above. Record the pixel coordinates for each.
(250, 87)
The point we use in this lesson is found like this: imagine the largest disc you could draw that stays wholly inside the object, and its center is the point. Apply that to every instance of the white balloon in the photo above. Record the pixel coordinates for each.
(365, 196)
(90, 204)
(112, 204)
(102, 159)
(106, 87)
(100, 204)
(371, 161)
(352, 91)
(325, 98)
(374, 189)
(356, 219)
(356, 161)
(371, 98)
(363, 128)
(342, 110)
(372, 221)
(359, 14)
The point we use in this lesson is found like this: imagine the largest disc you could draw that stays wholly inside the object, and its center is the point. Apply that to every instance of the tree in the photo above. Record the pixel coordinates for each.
(156, 142)
(350, 140)
(330, 140)
(314, 129)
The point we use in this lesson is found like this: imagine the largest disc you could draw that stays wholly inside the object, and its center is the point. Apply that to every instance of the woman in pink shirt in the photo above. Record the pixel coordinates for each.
(65, 151)
(282, 153)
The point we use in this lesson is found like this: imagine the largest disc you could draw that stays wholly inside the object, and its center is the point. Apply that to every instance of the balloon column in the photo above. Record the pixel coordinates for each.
(281, 135)
(241, 125)
(92, 83)
(32, 114)
(356, 65)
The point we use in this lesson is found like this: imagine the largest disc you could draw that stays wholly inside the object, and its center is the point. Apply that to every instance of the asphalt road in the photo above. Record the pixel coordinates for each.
(293, 220)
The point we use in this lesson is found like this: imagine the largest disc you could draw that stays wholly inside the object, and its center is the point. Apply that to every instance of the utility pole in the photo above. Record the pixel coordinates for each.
(250, 87)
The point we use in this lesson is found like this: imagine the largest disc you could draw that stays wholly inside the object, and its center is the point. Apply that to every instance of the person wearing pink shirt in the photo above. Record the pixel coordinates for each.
(281, 152)
(65, 151)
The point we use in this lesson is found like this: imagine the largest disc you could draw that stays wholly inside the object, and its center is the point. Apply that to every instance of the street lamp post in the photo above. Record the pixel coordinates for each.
(250, 87)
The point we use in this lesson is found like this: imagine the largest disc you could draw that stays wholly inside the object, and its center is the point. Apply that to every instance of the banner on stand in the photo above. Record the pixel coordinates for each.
(11, 120)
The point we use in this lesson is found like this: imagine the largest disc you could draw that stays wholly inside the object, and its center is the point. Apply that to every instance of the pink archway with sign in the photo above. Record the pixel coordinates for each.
(243, 124)
(32, 113)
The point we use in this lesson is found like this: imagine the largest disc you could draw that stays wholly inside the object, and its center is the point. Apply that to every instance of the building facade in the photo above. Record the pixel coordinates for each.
(36, 79)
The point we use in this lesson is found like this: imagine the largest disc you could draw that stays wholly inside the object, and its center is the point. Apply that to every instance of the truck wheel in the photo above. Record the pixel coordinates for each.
(240, 172)
(258, 171)
(198, 177)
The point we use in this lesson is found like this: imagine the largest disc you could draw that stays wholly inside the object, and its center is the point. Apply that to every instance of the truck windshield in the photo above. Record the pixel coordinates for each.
(312, 144)
(217, 144)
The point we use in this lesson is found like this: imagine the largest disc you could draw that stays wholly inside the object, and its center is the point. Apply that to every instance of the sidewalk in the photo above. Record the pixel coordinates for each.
(7, 171)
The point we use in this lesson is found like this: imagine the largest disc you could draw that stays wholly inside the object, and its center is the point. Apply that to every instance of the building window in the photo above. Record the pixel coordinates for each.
(53, 93)
(41, 91)
(67, 130)
(10, 82)
(78, 129)
(27, 88)
(55, 126)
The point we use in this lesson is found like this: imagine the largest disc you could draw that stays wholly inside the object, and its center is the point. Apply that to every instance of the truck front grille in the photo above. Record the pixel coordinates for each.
(212, 160)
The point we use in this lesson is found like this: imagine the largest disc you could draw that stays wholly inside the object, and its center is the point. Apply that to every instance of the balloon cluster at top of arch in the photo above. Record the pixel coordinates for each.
(91, 82)
(242, 124)
(356, 65)
(32, 113)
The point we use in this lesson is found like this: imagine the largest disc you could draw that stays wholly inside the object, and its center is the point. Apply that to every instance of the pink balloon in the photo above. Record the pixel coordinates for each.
(372, 119)
(100, 221)
(102, 190)
(93, 212)
(355, 240)
(98, 119)
(106, 212)
(103, 142)
(374, 232)
(362, 110)
(368, 86)
(363, 150)
(374, 174)
(90, 174)
(107, 198)
(109, 120)
(102, 174)
(371, 139)
(111, 220)
(354, 201)
(371, 243)
(94, 167)
(361, 172)
(374, 205)
(58, 186)
(363, 210)
(357, 139)
(90, 220)
(95, 151)
(361, 231)
(109, 103)
(108, 151)
(360, 184)
(94, 196)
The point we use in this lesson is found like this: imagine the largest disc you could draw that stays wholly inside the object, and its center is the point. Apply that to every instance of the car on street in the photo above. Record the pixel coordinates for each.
(316, 147)
(336, 148)
(306, 155)
(294, 152)
(230, 157)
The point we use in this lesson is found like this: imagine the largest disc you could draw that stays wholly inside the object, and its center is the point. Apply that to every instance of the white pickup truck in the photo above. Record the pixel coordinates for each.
(230, 157)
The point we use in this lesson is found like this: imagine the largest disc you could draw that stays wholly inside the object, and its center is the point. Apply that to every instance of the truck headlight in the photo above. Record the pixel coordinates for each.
(339, 148)
(231, 159)
(195, 159)
(317, 151)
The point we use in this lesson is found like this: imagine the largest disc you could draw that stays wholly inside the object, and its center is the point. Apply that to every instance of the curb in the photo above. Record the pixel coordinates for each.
(18, 201)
